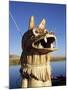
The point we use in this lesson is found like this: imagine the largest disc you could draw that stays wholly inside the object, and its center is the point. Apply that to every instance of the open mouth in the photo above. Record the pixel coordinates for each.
(46, 43)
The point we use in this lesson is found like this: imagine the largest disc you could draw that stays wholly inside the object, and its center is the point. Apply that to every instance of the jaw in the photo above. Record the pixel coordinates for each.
(45, 44)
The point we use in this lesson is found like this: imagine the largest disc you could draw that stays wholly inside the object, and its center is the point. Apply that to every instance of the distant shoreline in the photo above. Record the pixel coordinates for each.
(58, 58)
(15, 60)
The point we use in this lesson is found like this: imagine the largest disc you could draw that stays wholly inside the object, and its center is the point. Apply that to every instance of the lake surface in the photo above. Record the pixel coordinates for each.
(58, 68)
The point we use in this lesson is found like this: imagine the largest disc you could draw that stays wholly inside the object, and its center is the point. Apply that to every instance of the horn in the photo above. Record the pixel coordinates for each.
(31, 23)
(42, 24)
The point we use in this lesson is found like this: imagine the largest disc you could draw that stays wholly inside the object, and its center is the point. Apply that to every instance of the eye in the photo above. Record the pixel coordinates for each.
(35, 32)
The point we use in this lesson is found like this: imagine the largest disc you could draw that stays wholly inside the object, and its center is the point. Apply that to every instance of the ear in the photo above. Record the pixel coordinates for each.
(31, 23)
(42, 24)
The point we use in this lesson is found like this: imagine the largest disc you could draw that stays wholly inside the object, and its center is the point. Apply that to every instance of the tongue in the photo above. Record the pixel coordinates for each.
(40, 46)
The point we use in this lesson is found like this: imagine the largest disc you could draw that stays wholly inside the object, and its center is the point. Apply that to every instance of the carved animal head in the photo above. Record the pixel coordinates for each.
(38, 40)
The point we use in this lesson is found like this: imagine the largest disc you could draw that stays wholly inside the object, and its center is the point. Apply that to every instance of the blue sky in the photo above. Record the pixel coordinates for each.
(55, 15)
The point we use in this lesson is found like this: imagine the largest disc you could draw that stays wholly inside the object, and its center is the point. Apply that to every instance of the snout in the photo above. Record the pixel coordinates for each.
(45, 44)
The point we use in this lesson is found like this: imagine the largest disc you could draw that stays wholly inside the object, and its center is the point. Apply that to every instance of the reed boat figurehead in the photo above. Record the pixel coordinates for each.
(37, 42)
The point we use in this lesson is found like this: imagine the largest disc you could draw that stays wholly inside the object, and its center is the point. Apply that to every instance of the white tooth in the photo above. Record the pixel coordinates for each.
(45, 39)
(51, 45)
(40, 46)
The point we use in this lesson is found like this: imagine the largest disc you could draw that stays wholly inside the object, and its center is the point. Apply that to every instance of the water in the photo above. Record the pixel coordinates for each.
(14, 76)
(58, 68)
